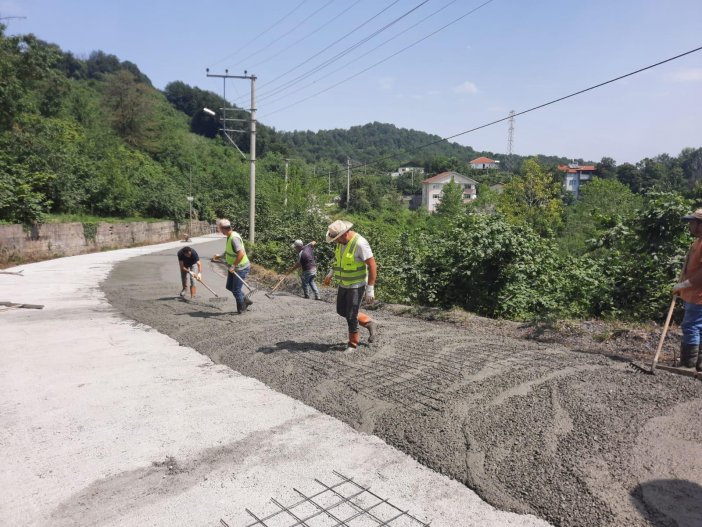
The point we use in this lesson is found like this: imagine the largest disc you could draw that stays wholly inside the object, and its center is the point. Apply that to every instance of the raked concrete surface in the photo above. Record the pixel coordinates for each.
(107, 422)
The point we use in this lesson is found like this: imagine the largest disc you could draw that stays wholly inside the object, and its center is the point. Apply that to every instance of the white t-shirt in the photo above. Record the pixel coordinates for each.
(362, 253)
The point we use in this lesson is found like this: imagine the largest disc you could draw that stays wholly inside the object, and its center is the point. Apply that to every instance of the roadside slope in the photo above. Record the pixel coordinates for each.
(534, 428)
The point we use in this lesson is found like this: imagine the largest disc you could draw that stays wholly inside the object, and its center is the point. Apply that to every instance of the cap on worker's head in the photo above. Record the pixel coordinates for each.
(297, 244)
(337, 229)
(224, 223)
(697, 215)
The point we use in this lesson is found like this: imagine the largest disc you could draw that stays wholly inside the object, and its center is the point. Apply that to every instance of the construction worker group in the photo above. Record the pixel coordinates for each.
(354, 269)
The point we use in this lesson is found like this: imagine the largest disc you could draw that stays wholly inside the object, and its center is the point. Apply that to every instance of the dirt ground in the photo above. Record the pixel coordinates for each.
(533, 426)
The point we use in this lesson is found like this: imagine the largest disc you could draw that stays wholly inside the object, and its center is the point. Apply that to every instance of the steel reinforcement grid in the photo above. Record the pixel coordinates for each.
(345, 503)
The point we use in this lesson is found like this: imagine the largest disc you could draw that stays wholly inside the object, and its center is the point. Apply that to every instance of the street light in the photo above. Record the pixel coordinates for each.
(209, 112)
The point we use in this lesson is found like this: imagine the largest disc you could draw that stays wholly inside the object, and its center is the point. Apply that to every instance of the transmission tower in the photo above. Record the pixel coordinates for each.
(510, 139)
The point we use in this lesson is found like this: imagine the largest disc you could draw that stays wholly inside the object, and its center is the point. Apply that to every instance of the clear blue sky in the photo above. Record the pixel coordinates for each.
(509, 54)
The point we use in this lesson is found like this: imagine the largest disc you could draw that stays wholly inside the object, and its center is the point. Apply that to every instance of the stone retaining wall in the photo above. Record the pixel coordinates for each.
(19, 244)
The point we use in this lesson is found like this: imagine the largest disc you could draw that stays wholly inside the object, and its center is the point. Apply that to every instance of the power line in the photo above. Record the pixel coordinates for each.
(513, 114)
(298, 6)
(344, 52)
(308, 35)
(332, 44)
(344, 66)
(284, 34)
(454, 21)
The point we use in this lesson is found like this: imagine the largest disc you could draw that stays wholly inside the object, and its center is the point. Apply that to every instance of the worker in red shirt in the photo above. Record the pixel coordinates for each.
(690, 290)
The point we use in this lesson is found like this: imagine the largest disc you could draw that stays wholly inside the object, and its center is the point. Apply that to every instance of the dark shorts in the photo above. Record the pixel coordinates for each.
(348, 303)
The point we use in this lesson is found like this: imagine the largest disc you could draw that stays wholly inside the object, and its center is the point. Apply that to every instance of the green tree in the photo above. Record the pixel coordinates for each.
(451, 202)
(534, 197)
(602, 203)
(131, 109)
(606, 168)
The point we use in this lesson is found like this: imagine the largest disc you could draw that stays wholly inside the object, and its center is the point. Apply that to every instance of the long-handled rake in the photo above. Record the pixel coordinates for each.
(654, 363)
(217, 298)
(280, 282)
(221, 268)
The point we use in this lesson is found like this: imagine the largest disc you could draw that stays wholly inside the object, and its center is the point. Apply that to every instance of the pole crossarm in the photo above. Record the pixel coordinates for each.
(252, 131)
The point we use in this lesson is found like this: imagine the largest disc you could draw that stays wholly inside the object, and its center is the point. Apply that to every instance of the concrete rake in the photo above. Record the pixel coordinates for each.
(216, 298)
(654, 363)
(222, 269)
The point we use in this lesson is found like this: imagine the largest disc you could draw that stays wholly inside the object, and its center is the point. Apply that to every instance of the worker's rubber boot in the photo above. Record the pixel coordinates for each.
(354, 339)
(367, 323)
(689, 354)
(248, 301)
(241, 307)
(698, 366)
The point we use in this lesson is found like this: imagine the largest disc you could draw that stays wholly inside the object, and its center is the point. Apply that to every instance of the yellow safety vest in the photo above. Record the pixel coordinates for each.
(230, 253)
(346, 269)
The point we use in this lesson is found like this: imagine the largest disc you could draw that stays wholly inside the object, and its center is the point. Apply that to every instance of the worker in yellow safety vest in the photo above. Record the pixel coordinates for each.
(355, 270)
(238, 262)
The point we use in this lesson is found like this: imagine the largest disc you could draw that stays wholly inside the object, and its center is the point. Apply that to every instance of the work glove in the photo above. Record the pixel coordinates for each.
(681, 285)
(313, 243)
(198, 276)
(327, 279)
(370, 294)
(232, 269)
(217, 257)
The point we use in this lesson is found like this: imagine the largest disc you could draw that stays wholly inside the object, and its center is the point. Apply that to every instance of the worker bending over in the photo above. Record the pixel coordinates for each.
(190, 267)
(355, 270)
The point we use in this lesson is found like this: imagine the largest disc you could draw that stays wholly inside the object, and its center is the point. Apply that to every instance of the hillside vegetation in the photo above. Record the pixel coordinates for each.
(92, 136)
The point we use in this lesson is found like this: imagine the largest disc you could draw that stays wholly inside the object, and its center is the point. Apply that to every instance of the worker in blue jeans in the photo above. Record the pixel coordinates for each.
(690, 290)
(306, 261)
(238, 262)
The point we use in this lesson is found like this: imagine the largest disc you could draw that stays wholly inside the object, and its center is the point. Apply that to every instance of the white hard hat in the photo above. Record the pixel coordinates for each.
(224, 223)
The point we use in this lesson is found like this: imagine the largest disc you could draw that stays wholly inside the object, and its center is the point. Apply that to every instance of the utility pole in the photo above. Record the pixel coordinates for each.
(329, 176)
(190, 201)
(285, 203)
(348, 182)
(252, 148)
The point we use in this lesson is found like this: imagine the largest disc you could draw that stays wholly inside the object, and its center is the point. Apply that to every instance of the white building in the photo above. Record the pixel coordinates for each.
(484, 163)
(432, 188)
(576, 175)
(417, 171)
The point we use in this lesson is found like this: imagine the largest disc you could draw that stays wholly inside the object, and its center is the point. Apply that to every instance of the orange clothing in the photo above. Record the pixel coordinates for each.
(693, 295)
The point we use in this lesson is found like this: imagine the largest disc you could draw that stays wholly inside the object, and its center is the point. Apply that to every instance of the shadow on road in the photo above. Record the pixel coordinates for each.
(298, 347)
(673, 502)
(207, 314)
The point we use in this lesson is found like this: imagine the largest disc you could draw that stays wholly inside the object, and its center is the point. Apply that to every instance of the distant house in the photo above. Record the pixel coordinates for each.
(417, 171)
(432, 188)
(484, 163)
(576, 175)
